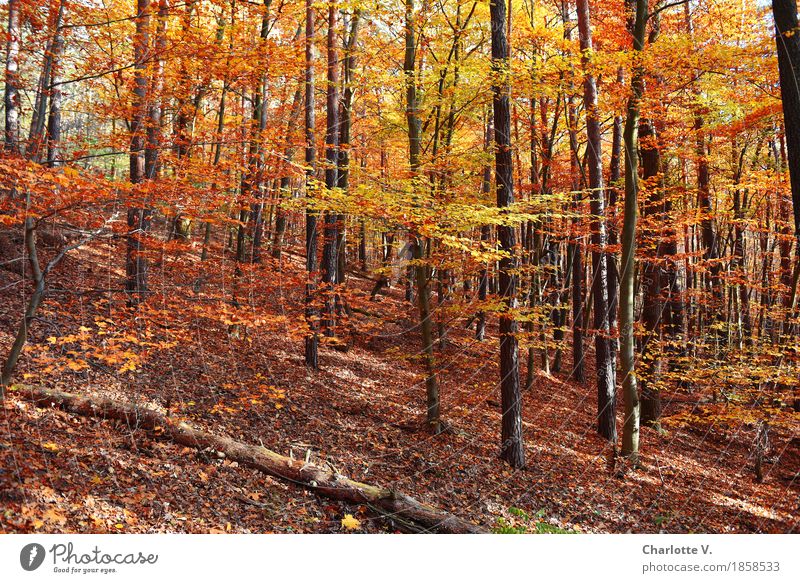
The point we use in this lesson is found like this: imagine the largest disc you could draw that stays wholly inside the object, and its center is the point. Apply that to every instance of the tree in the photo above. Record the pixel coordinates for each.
(286, 179)
(139, 215)
(486, 234)
(788, 44)
(54, 116)
(312, 265)
(12, 78)
(512, 448)
(574, 250)
(417, 241)
(152, 165)
(604, 355)
(630, 429)
(46, 85)
(345, 146)
(330, 248)
(651, 276)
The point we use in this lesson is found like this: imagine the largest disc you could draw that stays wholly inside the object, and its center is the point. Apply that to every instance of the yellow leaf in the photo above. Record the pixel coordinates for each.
(77, 365)
(50, 446)
(54, 517)
(128, 366)
(350, 523)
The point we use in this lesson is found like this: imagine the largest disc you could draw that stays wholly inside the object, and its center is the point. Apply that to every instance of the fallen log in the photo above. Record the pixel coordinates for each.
(407, 511)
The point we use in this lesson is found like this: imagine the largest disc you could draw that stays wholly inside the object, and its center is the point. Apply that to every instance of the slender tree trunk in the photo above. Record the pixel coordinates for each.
(286, 181)
(345, 148)
(630, 430)
(331, 234)
(739, 260)
(153, 143)
(312, 267)
(139, 217)
(578, 371)
(512, 448)
(30, 311)
(486, 233)
(614, 179)
(12, 78)
(39, 116)
(651, 283)
(260, 117)
(534, 244)
(217, 149)
(604, 355)
(54, 117)
(417, 242)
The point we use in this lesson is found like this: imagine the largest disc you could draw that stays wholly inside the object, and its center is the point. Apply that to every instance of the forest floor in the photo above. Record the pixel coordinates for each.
(239, 371)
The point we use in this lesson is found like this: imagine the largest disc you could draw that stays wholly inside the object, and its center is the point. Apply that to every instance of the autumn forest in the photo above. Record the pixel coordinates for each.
(380, 266)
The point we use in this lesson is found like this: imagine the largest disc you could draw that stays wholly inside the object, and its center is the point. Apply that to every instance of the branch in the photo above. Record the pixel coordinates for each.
(663, 7)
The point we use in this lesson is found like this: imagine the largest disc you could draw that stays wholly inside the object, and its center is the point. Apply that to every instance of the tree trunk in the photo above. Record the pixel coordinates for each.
(39, 117)
(286, 181)
(139, 217)
(630, 430)
(312, 318)
(33, 304)
(604, 355)
(738, 262)
(54, 117)
(409, 512)
(486, 234)
(331, 234)
(153, 143)
(344, 158)
(788, 43)
(417, 242)
(614, 179)
(578, 371)
(512, 448)
(12, 78)
(652, 307)
(253, 188)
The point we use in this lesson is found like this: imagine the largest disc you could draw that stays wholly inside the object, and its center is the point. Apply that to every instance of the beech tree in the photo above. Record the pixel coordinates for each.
(788, 44)
(139, 215)
(604, 355)
(330, 250)
(11, 100)
(311, 311)
(418, 242)
(512, 448)
(630, 392)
